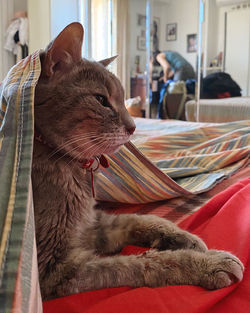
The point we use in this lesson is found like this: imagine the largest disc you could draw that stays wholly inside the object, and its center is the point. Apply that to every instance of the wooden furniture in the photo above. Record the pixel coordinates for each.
(138, 87)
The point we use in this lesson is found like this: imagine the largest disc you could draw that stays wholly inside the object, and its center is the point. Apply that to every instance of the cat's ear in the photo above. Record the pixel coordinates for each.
(63, 50)
(106, 62)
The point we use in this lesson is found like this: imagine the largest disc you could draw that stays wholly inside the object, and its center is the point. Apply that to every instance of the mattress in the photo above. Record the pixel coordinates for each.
(219, 110)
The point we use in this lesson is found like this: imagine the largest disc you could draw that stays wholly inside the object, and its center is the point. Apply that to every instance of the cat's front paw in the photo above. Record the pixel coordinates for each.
(179, 240)
(221, 270)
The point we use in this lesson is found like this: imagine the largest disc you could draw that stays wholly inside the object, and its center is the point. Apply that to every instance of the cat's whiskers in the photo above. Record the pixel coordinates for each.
(99, 140)
(76, 157)
(95, 147)
(82, 145)
(99, 147)
(109, 140)
(108, 146)
(73, 140)
(118, 139)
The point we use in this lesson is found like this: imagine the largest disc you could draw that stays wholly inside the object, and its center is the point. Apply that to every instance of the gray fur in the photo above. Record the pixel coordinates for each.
(78, 245)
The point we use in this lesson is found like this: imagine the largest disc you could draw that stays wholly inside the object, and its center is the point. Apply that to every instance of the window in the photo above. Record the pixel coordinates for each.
(107, 33)
(96, 17)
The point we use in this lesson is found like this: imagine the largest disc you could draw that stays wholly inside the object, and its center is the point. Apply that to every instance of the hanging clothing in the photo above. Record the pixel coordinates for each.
(17, 36)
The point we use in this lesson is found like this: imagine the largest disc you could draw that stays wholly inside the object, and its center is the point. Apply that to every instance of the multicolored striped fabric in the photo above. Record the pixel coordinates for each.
(176, 209)
(184, 158)
(19, 288)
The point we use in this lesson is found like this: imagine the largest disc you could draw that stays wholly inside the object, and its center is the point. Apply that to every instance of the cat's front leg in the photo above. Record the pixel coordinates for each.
(212, 270)
(115, 231)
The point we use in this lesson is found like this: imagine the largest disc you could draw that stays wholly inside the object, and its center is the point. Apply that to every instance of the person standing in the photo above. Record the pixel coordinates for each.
(174, 65)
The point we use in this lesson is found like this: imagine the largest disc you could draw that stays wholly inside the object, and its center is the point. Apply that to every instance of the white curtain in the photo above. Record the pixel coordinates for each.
(121, 44)
(109, 36)
(7, 59)
(100, 29)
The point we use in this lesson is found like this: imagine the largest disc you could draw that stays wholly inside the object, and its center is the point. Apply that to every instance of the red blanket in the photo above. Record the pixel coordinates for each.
(223, 223)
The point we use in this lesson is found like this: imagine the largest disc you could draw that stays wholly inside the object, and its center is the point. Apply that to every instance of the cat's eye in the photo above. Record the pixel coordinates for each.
(102, 100)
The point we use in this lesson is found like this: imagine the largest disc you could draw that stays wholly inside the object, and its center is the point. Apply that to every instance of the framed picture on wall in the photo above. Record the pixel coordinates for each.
(192, 43)
(141, 20)
(171, 32)
(141, 43)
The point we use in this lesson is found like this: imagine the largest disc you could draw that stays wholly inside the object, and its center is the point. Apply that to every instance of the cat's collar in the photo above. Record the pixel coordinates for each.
(89, 164)
(95, 162)
(92, 165)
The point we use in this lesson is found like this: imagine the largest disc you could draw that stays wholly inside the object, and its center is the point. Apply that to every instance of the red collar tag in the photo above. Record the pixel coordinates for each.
(103, 161)
(95, 163)
(88, 163)
(92, 165)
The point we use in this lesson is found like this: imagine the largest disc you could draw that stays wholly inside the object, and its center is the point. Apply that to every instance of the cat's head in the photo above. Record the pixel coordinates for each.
(79, 105)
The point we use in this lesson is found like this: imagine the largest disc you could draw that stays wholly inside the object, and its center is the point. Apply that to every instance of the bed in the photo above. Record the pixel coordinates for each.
(170, 169)
(219, 110)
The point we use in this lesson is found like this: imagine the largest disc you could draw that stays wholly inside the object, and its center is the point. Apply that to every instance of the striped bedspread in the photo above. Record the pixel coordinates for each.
(167, 159)
(164, 160)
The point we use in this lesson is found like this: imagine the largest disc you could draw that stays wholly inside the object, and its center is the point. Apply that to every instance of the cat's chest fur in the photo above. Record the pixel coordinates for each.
(62, 201)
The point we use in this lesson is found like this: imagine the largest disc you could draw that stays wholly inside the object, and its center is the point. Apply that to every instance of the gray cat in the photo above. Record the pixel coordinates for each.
(80, 114)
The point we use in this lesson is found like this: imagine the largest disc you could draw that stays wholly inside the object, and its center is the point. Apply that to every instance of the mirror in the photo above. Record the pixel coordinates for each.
(223, 62)
(172, 31)
(226, 41)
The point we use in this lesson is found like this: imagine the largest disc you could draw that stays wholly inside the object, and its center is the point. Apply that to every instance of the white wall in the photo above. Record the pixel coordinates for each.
(214, 30)
(39, 24)
(185, 14)
(221, 25)
(136, 7)
(159, 11)
(20, 5)
(238, 43)
(47, 18)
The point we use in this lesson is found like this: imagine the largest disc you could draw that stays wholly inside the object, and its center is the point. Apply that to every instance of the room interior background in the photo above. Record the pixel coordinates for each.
(127, 28)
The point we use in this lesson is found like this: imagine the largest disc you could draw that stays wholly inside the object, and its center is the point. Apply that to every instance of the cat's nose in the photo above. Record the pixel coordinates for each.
(127, 121)
(131, 130)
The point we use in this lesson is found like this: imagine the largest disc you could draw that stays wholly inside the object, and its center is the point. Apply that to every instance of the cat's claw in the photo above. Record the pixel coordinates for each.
(179, 240)
(223, 269)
